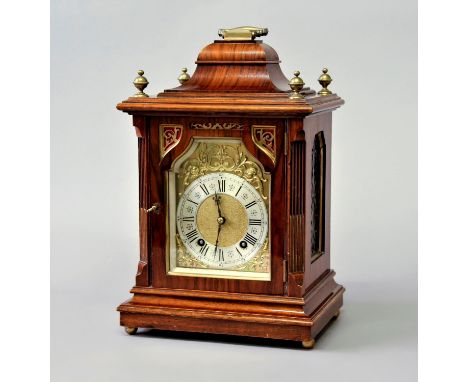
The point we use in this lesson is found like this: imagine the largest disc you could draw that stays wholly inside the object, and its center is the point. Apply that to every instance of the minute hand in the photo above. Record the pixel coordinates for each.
(217, 239)
(220, 220)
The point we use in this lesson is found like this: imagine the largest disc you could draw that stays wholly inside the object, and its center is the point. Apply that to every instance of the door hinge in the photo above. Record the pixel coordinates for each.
(285, 143)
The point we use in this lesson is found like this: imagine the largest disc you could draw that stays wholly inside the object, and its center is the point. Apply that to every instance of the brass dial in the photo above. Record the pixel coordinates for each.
(222, 220)
(234, 220)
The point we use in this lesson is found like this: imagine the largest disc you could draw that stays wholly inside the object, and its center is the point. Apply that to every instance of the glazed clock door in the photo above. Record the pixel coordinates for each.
(219, 212)
(222, 227)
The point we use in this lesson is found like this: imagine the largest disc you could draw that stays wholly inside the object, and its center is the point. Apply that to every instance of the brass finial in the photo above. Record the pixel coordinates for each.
(184, 77)
(324, 80)
(296, 85)
(140, 83)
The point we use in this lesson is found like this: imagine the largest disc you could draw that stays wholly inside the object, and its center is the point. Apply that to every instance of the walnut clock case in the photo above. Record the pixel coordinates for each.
(234, 180)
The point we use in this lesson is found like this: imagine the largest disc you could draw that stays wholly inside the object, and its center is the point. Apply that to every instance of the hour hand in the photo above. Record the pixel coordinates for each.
(217, 200)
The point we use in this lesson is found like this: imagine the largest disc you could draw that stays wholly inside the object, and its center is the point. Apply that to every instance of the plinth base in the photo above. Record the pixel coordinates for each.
(265, 316)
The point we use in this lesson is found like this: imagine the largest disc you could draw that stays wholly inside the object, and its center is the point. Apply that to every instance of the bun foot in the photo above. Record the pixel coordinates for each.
(308, 344)
(131, 331)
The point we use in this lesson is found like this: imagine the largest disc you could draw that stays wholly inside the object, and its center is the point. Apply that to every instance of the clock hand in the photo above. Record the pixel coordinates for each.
(217, 200)
(217, 238)
(220, 220)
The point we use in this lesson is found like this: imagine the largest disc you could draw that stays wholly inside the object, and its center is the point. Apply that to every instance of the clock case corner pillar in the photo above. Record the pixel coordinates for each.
(294, 200)
(143, 276)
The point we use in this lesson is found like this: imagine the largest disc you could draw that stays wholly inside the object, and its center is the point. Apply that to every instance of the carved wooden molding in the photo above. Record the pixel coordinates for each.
(220, 126)
(169, 137)
(264, 138)
(139, 124)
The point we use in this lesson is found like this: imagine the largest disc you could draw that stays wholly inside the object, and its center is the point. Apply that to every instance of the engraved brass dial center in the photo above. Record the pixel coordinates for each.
(234, 222)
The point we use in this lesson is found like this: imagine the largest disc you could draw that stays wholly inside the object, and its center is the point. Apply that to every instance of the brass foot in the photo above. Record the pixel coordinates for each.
(131, 331)
(308, 344)
(337, 314)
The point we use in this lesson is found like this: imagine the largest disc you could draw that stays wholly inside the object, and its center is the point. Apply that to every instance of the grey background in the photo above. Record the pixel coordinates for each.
(370, 48)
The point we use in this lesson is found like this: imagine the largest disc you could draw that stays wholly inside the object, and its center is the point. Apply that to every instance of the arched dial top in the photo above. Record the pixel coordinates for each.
(222, 220)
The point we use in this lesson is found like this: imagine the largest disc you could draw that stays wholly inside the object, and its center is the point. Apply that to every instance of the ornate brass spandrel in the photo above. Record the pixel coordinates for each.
(260, 262)
(184, 258)
(264, 138)
(233, 158)
(169, 137)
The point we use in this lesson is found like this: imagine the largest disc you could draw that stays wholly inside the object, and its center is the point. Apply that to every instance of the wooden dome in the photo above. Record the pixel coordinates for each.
(239, 75)
(250, 66)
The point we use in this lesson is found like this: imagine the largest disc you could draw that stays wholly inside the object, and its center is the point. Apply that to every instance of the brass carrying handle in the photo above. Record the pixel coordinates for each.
(242, 33)
(156, 208)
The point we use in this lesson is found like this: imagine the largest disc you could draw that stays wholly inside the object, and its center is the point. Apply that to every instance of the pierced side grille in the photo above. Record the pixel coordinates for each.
(297, 201)
(318, 196)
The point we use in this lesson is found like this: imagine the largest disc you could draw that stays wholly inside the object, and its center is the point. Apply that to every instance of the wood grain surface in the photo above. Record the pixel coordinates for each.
(241, 83)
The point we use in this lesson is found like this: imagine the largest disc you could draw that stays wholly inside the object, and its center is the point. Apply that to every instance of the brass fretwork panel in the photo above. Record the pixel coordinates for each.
(318, 196)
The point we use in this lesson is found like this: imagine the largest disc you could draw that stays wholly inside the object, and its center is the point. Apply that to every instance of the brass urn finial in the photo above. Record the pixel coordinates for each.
(140, 83)
(296, 85)
(324, 80)
(184, 77)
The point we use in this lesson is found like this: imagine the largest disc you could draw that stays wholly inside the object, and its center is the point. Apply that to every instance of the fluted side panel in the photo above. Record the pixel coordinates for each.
(297, 201)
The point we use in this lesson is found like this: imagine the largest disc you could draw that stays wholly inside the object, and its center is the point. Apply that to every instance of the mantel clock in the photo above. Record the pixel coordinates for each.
(234, 180)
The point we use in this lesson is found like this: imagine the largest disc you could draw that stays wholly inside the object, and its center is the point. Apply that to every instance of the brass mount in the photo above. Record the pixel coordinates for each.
(242, 33)
(140, 83)
(184, 76)
(130, 330)
(156, 208)
(308, 344)
(324, 80)
(296, 84)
